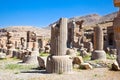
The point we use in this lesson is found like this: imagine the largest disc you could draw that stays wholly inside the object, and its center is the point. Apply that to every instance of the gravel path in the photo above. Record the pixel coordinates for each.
(95, 74)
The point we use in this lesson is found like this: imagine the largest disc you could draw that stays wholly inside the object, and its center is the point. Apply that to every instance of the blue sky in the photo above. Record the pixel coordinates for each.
(41, 13)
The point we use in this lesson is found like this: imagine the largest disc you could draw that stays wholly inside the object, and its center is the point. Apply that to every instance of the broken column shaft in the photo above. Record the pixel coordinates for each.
(62, 38)
(58, 62)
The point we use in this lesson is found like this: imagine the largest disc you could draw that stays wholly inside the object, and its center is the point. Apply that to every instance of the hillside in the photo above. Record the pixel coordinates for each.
(92, 19)
(89, 19)
(22, 29)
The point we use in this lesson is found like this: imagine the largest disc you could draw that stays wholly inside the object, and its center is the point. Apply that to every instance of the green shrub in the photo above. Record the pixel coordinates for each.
(87, 58)
(110, 57)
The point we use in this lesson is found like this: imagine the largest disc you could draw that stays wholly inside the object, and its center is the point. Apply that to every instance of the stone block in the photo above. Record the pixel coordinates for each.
(98, 54)
(77, 60)
(115, 66)
(41, 62)
(86, 66)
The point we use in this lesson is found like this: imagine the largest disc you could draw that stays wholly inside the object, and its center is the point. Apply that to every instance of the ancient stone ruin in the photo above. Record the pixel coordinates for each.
(117, 34)
(32, 47)
(23, 43)
(9, 44)
(98, 52)
(58, 61)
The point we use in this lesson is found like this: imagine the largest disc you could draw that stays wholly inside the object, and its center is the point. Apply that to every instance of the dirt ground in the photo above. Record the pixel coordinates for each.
(33, 74)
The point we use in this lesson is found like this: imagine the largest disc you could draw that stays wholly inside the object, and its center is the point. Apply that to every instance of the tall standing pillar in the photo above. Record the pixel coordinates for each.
(98, 52)
(62, 37)
(58, 61)
(9, 44)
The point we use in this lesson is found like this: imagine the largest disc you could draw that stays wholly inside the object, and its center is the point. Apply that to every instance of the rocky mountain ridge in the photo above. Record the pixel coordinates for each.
(22, 29)
(93, 19)
(90, 20)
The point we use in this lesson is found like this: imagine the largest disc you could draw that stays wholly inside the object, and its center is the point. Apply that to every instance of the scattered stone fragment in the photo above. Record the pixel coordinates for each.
(2, 55)
(71, 52)
(86, 66)
(77, 60)
(115, 66)
(41, 63)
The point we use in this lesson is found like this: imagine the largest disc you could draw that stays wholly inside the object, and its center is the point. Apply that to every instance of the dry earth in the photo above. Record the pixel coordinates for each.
(33, 74)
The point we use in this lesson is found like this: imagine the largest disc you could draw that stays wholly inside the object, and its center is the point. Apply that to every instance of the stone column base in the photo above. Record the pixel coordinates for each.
(35, 53)
(59, 64)
(49, 64)
(31, 58)
(9, 53)
(98, 54)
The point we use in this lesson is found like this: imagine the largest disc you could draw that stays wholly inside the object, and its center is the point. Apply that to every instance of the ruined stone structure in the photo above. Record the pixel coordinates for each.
(58, 61)
(1, 45)
(109, 38)
(31, 37)
(41, 42)
(117, 36)
(32, 47)
(116, 27)
(23, 43)
(70, 41)
(9, 44)
(90, 47)
(75, 34)
(98, 52)
(80, 33)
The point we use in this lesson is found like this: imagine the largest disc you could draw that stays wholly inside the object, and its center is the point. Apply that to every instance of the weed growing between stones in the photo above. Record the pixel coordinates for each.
(43, 54)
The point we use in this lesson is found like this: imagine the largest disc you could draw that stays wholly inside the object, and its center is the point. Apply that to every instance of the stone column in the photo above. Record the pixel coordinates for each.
(98, 38)
(62, 39)
(116, 27)
(29, 43)
(73, 28)
(52, 42)
(1, 45)
(35, 46)
(9, 44)
(58, 62)
(33, 52)
(41, 44)
(98, 52)
(29, 46)
(16, 44)
(70, 40)
(23, 43)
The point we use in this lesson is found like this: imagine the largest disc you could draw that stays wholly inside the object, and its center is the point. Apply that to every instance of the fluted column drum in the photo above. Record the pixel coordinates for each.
(62, 64)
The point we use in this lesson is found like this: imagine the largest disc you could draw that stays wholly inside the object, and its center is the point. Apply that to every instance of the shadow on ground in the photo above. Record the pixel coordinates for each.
(35, 71)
